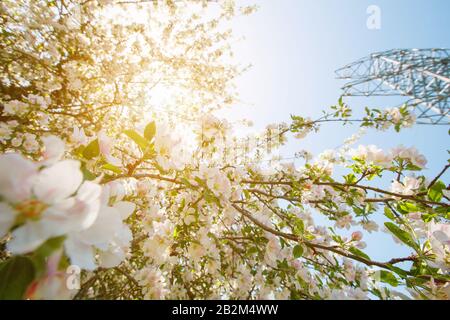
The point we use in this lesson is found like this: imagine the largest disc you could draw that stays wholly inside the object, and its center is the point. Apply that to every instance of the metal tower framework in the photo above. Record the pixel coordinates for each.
(423, 75)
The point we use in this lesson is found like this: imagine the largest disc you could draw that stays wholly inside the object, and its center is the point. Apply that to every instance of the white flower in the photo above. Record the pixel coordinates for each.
(373, 155)
(315, 192)
(7, 218)
(43, 202)
(15, 107)
(344, 222)
(17, 141)
(395, 114)
(168, 148)
(16, 176)
(305, 129)
(411, 154)
(115, 189)
(108, 233)
(370, 226)
(220, 185)
(42, 102)
(5, 131)
(396, 117)
(439, 237)
(78, 136)
(408, 187)
(273, 249)
(196, 251)
(53, 284)
(213, 127)
(30, 144)
(53, 149)
(440, 231)
(357, 236)
(105, 144)
(153, 281)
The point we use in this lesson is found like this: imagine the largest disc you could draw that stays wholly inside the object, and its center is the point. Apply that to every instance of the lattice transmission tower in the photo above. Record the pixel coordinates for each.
(422, 75)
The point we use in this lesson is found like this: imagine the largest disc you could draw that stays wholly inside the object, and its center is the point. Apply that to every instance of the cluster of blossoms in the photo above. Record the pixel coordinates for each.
(49, 199)
(399, 117)
(373, 155)
(98, 175)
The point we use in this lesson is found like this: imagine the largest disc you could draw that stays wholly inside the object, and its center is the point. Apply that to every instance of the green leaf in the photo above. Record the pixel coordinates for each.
(16, 274)
(111, 167)
(359, 253)
(176, 231)
(87, 175)
(297, 251)
(79, 151)
(407, 207)
(138, 139)
(41, 254)
(299, 228)
(435, 192)
(403, 236)
(388, 213)
(92, 150)
(186, 182)
(402, 273)
(412, 167)
(388, 277)
(350, 178)
(150, 131)
(211, 198)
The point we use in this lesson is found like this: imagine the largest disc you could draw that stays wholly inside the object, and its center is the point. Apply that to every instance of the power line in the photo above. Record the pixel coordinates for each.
(423, 75)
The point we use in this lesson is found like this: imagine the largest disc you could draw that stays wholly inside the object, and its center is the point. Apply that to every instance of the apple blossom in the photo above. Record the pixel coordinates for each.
(105, 144)
(410, 154)
(42, 204)
(373, 155)
(52, 285)
(357, 236)
(370, 226)
(53, 149)
(408, 186)
(154, 197)
(108, 234)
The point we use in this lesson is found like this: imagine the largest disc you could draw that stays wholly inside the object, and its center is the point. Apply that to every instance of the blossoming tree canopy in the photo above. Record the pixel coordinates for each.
(117, 181)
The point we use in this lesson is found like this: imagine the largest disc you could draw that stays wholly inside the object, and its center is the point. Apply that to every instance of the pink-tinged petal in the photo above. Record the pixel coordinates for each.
(113, 160)
(80, 254)
(17, 175)
(58, 182)
(125, 208)
(89, 195)
(7, 218)
(105, 143)
(115, 189)
(53, 263)
(442, 237)
(51, 287)
(76, 213)
(105, 195)
(53, 149)
(111, 258)
(30, 236)
(103, 230)
(124, 236)
(441, 231)
(58, 216)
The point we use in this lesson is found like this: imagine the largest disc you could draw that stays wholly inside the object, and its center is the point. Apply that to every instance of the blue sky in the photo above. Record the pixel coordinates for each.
(295, 46)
